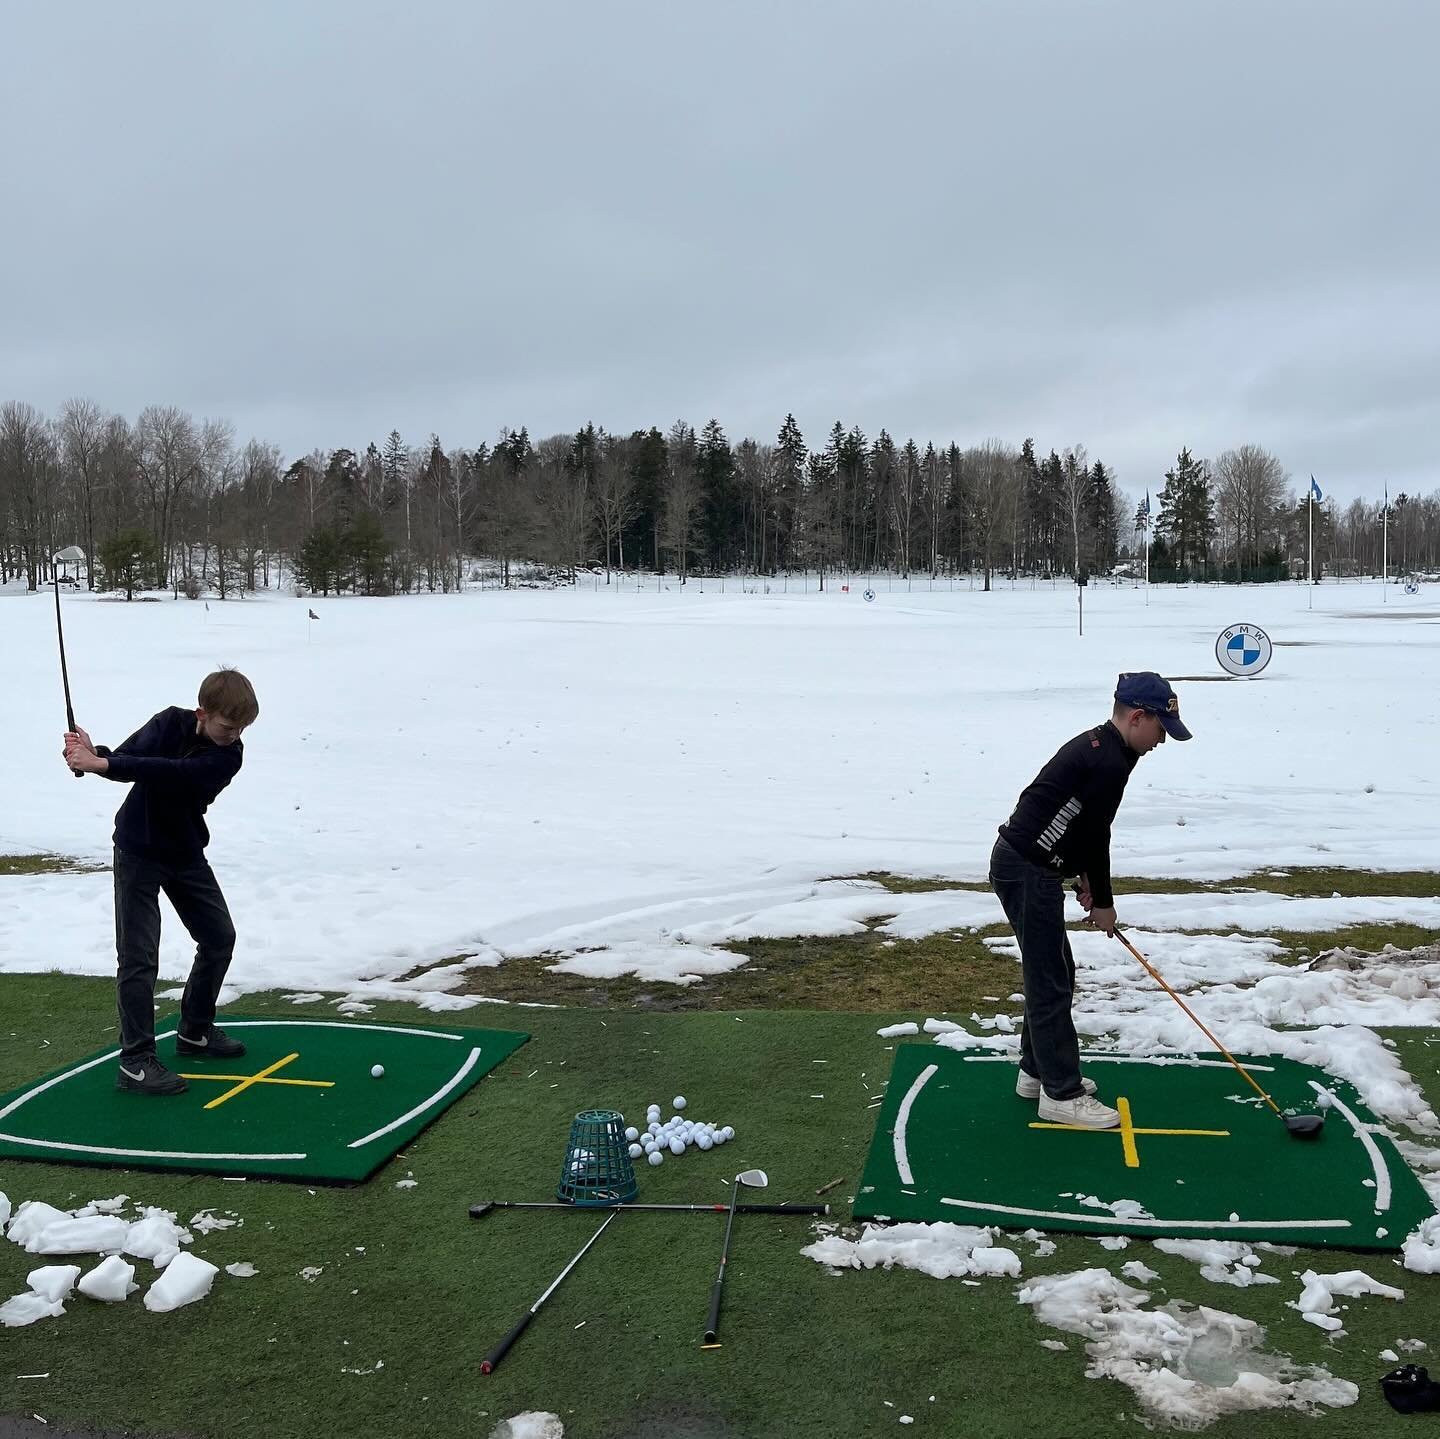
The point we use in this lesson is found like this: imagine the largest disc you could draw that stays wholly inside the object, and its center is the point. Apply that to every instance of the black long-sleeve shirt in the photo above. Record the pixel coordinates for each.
(1063, 816)
(176, 773)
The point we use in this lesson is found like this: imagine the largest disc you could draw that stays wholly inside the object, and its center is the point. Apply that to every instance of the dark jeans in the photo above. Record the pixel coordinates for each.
(1034, 902)
(191, 887)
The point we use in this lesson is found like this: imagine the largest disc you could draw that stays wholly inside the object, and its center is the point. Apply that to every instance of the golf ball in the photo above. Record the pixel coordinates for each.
(632, 1134)
(376, 1070)
(656, 1157)
(704, 1141)
(679, 1101)
(635, 1151)
(677, 1146)
(1324, 1101)
(728, 1132)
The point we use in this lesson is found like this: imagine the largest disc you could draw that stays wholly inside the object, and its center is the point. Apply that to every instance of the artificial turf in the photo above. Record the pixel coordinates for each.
(407, 1278)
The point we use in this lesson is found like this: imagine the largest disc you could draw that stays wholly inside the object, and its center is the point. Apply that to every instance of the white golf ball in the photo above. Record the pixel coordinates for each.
(376, 1070)
(678, 1101)
(1324, 1101)
(677, 1146)
(705, 1141)
(632, 1134)
(728, 1132)
(656, 1157)
(653, 1127)
(635, 1151)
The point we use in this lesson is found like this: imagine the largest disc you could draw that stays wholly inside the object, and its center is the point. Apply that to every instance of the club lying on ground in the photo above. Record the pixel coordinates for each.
(479, 1211)
(65, 673)
(751, 1179)
(488, 1363)
(1301, 1126)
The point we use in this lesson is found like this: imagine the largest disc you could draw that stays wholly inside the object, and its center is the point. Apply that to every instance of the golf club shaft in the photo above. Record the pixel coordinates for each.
(479, 1211)
(65, 671)
(488, 1363)
(1159, 979)
(712, 1322)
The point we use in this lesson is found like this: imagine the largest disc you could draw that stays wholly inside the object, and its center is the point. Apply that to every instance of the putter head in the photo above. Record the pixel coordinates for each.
(753, 1179)
(1305, 1126)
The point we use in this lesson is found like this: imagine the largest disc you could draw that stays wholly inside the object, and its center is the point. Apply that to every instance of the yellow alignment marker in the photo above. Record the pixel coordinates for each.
(243, 1082)
(1127, 1132)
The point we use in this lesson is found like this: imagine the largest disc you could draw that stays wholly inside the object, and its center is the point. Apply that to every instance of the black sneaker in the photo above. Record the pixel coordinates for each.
(146, 1075)
(216, 1043)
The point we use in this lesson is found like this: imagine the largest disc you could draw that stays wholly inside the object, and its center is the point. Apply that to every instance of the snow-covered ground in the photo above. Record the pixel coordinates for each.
(640, 775)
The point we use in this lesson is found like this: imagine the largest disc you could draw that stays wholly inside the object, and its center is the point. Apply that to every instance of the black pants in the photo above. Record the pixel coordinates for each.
(1034, 902)
(191, 887)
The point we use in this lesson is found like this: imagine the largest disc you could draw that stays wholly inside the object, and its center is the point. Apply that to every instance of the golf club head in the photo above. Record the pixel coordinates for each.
(1304, 1126)
(753, 1179)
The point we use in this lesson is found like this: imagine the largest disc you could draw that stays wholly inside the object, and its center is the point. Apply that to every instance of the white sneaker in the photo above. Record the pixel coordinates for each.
(1084, 1111)
(1027, 1087)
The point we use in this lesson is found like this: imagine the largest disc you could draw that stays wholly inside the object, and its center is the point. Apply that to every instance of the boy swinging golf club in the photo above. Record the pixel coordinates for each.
(176, 764)
(1061, 828)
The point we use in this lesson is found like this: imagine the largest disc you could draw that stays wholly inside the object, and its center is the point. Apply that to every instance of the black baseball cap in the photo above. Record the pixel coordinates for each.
(1145, 690)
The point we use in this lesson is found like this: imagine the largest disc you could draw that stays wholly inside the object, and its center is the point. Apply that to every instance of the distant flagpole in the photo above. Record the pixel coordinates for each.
(1310, 558)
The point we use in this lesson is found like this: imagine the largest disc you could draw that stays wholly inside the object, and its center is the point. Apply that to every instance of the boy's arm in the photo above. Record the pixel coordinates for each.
(202, 775)
(1103, 803)
(144, 741)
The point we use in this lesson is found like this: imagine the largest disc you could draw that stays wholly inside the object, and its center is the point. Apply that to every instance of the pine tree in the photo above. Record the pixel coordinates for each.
(1186, 521)
(790, 453)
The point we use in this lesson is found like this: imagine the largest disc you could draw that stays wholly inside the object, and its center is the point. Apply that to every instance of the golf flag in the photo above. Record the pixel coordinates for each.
(1145, 508)
(312, 614)
(1315, 489)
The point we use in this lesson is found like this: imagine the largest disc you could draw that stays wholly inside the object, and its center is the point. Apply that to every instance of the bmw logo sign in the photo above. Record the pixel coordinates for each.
(1243, 650)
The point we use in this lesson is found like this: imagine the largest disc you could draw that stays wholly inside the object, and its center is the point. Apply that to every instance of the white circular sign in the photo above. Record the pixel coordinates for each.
(1243, 650)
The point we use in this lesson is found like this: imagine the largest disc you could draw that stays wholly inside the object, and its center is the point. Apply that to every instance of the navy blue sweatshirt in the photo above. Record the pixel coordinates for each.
(176, 775)
(1063, 816)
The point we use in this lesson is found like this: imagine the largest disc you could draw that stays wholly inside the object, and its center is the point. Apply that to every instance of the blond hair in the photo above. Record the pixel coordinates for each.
(230, 695)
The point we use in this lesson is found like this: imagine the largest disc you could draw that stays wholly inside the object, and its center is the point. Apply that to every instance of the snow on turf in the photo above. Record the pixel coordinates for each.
(154, 1234)
(941, 1250)
(1188, 1365)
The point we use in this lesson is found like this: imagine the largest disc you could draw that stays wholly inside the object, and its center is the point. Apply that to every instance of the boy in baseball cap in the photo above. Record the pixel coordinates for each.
(1060, 828)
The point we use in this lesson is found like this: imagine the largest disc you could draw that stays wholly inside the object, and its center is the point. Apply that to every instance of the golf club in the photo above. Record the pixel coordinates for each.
(488, 1363)
(479, 1211)
(64, 671)
(1301, 1126)
(751, 1179)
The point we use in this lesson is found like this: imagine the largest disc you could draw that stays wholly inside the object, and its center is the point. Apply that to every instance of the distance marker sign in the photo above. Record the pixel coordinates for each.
(1243, 650)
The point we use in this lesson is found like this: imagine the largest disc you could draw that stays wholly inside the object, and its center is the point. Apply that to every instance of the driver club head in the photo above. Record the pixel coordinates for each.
(1305, 1126)
(753, 1179)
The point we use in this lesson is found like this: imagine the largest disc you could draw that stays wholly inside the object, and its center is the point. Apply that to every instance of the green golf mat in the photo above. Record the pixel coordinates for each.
(301, 1104)
(1199, 1154)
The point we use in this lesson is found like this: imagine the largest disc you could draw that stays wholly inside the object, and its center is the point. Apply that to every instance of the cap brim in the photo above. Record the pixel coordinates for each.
(1173, 727)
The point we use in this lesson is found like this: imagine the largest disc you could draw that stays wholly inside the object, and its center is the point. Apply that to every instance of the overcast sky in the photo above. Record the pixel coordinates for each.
(1132, 226)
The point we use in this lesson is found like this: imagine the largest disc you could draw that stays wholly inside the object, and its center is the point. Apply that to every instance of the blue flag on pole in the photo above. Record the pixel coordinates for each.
(1315, 489)
(1145, 508)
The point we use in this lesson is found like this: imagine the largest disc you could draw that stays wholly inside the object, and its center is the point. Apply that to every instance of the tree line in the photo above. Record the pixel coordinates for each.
(167, 501)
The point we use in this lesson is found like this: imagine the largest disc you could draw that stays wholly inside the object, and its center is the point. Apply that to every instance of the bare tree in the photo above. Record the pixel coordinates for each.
(1074, 491)
(682, 495)
(614, 497)
(992, 486)
(1249, 487)
(82, 435)
(168, 456)
(27, 466)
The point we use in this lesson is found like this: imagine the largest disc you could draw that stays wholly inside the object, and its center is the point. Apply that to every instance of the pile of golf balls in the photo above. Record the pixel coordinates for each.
(675, 1135)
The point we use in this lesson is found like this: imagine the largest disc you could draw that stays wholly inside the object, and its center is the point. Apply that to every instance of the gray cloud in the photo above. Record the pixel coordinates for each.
(1132, 226)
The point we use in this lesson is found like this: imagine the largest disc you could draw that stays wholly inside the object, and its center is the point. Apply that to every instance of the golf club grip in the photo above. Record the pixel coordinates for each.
(712, 1324)
(488, 1363)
